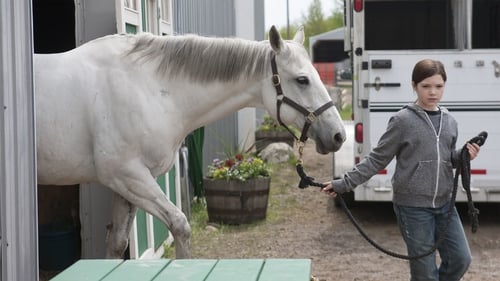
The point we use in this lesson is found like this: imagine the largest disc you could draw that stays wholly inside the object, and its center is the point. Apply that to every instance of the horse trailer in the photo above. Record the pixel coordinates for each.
(386, 38)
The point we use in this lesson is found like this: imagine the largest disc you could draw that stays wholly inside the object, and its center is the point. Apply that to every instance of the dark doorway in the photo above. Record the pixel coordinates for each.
(53, 26)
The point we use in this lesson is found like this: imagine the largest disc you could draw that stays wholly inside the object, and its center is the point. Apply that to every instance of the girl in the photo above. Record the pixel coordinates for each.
(422, 137)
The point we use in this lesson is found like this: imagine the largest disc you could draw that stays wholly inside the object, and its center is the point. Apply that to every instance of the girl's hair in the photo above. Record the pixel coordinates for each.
(427, 68)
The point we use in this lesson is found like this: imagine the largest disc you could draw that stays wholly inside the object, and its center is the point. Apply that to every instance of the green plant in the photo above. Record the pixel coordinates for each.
(269, 124)
(240, 166)
(346, 113)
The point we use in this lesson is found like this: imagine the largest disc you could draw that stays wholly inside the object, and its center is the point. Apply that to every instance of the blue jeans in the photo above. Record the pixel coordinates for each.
(421, 227)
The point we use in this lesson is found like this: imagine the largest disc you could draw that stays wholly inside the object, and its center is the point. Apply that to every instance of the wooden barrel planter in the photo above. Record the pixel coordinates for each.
(264, 138)
(236, 202)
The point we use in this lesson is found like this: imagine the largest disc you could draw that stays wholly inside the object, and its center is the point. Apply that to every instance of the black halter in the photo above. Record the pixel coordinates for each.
(310, 116)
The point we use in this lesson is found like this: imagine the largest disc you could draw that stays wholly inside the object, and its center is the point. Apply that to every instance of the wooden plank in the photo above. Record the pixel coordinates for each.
(286, 270)
(236, 269)
(137, 270)
(87, 270)
(187, 270)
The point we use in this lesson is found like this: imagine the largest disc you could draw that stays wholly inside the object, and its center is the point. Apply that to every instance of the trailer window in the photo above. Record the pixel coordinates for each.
(411, 24)
(486, 24)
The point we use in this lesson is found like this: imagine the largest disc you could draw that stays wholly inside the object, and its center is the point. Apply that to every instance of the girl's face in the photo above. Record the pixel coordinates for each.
(429, 92)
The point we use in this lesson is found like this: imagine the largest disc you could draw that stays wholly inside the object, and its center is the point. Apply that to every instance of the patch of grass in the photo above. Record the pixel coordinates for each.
(197, 221)
(279, 202)
(346, 113)
(199, 215)
(168, 251)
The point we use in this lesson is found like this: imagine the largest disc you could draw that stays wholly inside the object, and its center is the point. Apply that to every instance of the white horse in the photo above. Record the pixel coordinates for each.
(115, 110)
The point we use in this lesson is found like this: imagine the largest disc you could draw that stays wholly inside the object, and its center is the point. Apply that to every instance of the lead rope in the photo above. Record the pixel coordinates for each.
(463, 169)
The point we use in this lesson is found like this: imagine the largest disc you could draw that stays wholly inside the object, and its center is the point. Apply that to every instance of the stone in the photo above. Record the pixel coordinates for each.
(277, 152)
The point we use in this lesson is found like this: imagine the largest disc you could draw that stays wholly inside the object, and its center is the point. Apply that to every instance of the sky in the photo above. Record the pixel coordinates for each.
(276, 10)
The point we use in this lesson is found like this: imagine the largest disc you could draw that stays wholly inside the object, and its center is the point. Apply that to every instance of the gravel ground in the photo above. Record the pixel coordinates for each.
(305, 224)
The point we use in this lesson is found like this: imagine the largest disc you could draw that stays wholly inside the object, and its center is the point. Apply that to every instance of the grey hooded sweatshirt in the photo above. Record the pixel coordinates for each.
(424, 159)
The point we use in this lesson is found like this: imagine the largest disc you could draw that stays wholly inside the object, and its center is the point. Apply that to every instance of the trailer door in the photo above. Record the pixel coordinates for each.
(471, 92)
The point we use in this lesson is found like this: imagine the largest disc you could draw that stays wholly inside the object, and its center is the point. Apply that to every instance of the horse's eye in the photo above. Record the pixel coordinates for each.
(302, 80)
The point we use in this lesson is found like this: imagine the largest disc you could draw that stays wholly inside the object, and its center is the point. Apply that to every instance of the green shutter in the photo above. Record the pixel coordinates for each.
(160, 231)
(142, 232)
(171, 183)
(129, 28)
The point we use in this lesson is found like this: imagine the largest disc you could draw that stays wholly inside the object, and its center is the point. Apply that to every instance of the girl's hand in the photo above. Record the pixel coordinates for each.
(328, 189)
(473, 150)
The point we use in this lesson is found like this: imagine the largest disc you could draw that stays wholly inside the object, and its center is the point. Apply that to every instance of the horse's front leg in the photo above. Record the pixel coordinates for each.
(134, 182)
(123, 214)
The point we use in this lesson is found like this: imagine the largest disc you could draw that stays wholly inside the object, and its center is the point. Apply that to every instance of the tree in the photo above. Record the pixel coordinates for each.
(315, 22)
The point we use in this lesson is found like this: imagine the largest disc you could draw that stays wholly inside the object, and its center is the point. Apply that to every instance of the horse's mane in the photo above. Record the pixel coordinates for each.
(202, 59)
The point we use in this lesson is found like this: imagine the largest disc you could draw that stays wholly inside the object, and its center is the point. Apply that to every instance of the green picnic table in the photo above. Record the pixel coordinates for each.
(188, 270)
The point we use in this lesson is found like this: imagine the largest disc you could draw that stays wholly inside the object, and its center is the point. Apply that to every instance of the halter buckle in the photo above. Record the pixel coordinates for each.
(301, 145)
(276, 80)
(311, 117)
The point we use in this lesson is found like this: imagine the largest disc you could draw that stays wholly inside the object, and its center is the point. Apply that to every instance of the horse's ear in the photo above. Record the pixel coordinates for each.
(299, 35)
(275, 39)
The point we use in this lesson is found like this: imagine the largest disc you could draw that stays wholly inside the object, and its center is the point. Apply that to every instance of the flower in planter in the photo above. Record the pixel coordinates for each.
(241, 167)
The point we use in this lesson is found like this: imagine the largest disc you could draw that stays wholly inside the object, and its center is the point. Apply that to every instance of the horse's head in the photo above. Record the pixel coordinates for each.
(299, 96)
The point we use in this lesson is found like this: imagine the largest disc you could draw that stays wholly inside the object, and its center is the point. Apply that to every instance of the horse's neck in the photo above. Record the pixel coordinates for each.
(201, 103)
(206, 103)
